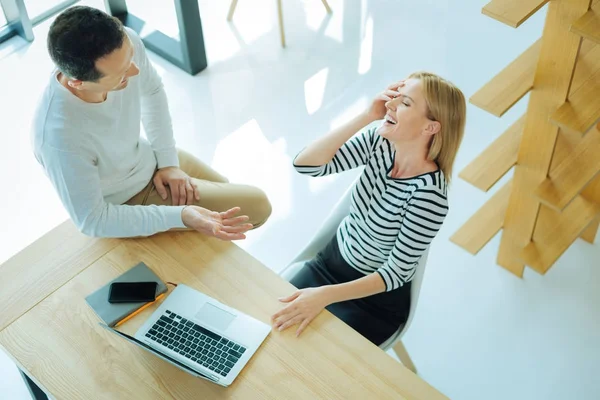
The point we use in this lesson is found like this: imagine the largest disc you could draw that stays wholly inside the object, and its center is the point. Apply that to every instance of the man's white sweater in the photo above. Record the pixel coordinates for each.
(96, 159)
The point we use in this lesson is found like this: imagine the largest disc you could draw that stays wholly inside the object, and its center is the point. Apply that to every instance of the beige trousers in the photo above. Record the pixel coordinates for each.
(216, 193)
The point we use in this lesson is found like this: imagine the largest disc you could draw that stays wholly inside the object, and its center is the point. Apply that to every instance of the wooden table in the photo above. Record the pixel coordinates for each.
(52, 335)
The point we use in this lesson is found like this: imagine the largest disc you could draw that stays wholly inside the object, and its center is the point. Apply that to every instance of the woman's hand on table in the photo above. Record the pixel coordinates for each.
(302, 307)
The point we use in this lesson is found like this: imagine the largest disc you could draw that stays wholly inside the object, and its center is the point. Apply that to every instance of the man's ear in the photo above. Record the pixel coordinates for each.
(75, 84)
(432, 128)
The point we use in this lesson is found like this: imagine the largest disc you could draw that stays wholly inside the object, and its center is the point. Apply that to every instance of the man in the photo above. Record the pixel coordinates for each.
(86, 135)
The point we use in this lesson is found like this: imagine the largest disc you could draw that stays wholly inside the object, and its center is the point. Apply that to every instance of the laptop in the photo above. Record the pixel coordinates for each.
(200, 335)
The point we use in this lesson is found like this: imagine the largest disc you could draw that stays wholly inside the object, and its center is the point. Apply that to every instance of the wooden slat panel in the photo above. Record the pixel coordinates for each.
(484, 224)
(592, 190)
(495, 161)
(554, 232)
(563, 228)
(589, 234)
(588, 62)
(588, 26)
(565, 145)
(570, 177)
(51, 261)
(510, 85)
(551, 85)
(507, 260)
(512, 12)
(582, 110)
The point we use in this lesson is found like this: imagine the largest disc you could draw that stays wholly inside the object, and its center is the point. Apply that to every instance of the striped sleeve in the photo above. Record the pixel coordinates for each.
(423, 219)
(354, 153)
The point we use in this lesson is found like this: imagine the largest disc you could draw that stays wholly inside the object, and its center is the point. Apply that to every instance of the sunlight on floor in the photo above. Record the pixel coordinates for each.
(266, 164)
(366, 48)
(315, 14)
(317, 18)
(314, 90)
(161, 16)
(228, 46)
(335, 27)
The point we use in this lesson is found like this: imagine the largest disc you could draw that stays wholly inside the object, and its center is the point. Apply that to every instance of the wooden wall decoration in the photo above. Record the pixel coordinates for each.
(554, 195)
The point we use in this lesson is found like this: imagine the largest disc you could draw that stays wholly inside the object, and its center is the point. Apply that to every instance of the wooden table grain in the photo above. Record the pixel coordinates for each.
(51, 333)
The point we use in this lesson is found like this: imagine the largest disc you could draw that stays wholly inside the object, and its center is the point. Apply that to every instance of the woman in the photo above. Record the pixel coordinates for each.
(363, 275)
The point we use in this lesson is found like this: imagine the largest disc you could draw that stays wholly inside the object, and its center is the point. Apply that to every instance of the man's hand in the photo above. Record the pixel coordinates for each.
(304, 305)
(222, 225)
(183, 190)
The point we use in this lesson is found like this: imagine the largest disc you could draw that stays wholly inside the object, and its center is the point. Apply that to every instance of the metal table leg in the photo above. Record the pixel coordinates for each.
(17, 20)
(36, 392)
(188, 53)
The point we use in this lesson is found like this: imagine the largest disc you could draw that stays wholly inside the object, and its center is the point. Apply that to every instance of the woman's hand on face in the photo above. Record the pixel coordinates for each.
(304, 305)
(377, 110)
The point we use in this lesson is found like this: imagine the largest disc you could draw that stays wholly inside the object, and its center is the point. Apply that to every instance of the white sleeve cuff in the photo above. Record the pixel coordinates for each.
(167, 158)
(173, 216)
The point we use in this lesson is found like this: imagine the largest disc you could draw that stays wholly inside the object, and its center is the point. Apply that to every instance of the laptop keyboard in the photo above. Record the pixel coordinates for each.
(196, 343)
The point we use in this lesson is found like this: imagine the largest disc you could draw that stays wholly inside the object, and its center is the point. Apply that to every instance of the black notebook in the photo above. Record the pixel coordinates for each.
(112, 313)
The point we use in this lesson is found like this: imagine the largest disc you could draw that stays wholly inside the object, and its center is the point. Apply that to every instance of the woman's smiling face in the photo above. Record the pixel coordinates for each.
(407, 114)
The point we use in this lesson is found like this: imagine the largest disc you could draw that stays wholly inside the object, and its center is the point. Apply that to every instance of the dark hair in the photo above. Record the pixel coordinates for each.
(80, 36)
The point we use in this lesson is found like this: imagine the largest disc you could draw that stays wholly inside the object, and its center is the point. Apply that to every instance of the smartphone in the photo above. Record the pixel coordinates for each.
(132, 292)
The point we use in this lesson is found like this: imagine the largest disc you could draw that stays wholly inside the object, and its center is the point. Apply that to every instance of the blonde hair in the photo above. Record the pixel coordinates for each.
(446, 104)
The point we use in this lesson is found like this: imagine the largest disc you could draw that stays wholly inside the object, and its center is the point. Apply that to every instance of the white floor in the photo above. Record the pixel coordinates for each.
(480, 333)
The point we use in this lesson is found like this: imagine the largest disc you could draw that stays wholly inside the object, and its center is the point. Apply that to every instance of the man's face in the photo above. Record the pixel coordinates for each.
(116, 68)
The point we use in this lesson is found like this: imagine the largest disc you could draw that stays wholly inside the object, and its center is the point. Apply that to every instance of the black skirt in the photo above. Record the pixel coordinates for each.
(375, 317)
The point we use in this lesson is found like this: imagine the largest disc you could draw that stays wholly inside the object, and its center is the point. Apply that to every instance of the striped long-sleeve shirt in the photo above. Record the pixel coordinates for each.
(392, 221)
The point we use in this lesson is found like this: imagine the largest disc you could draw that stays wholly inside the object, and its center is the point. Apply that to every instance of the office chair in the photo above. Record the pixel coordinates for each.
(324, 235)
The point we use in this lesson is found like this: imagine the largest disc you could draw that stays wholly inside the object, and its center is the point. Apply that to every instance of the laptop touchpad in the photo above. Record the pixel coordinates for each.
(215, 316)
